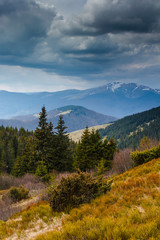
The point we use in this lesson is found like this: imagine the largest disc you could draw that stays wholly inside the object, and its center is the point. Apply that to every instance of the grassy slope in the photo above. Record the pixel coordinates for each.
(76, 135)
(131, 210)
(36, 219)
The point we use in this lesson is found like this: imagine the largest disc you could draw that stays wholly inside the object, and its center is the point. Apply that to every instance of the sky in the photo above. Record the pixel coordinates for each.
(52, 45)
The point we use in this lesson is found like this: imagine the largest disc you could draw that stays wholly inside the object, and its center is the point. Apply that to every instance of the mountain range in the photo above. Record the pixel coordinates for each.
(75, 117)
(114, 99)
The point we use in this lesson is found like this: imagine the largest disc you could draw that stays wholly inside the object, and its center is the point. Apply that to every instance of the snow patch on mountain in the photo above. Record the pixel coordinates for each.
(146, 89)
(36, 115)
(115, 85)
(64, 113)
(157, 91)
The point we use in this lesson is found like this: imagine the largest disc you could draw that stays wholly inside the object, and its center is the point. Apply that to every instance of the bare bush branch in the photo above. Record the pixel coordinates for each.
(122, 161)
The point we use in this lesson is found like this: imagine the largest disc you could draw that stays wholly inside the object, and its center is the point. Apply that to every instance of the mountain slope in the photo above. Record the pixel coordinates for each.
(115, 99)
(131, 210)
(75, 117)
(129, 130)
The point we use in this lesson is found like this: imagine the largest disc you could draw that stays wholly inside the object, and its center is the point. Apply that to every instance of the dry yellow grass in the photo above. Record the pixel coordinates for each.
(36, 219)
(130, 211)
(76, 135)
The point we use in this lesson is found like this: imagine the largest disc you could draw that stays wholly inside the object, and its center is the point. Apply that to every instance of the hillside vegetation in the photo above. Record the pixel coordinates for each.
(84, 199)
(131, 210)
(130, 130)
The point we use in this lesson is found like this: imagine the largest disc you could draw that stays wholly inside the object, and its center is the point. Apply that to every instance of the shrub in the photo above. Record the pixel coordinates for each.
(76, 189)
(29, 181)
(7, 209)
(122, 161)
(5, 182)
(17, 194)
(147, 143)
(145, 156)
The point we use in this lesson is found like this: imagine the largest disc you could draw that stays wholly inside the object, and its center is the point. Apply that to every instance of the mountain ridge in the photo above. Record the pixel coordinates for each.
(75, 117)
(129, 130)
(115, 99)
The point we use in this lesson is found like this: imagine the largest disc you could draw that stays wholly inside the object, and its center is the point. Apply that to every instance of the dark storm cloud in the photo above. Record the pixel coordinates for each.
(23, 23)
(109, 34)
(103, 37)
(115, 16)
(108, 31)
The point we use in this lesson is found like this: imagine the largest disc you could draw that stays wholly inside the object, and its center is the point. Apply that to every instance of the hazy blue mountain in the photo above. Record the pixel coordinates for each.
(75, 117)
(115, 99)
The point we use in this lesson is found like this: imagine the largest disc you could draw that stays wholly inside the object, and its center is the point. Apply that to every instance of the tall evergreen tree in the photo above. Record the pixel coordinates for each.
(63, 153)
(12, 143)
(83, 151)
(108, 150)
(96, 148)
(15, 145)
(43, 141)
(19, 168)
(91, 150)
(88, 150)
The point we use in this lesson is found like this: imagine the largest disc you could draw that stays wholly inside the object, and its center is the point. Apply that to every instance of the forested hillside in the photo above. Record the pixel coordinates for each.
(130, 130)
(49, 148)
(12, 144)
(47, 165)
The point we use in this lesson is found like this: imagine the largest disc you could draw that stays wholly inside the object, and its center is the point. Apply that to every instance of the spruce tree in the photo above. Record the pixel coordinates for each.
(92, 151)
(43, 141)
(41, 170)
(108, 150)
(63, 153)
(81, 159)
(29, 156)
(15, 145)
(19, 168)
(96, 148)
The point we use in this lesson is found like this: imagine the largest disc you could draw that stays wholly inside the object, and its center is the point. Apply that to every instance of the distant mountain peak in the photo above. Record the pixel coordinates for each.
(113, 86)
(75, 117)
(130, 90)
(117, 98)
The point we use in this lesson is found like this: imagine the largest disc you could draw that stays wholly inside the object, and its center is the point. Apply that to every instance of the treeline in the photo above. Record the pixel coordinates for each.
(12, 144)
(91, 151)
(50, 148)
(128, 131)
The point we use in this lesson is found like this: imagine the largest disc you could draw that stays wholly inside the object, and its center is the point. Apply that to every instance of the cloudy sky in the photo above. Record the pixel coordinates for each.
(50, 45)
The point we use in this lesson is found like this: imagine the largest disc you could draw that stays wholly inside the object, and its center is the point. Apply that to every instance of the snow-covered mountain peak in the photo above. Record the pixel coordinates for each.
(129, 90)
(113, 86)
(157, 91)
